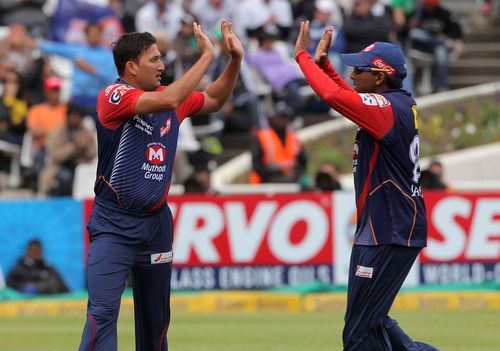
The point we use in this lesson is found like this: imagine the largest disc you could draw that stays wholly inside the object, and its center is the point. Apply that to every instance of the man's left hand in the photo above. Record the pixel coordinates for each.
(303, 38)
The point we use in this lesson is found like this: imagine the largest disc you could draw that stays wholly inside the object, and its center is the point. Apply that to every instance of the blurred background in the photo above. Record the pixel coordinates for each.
(250, 235)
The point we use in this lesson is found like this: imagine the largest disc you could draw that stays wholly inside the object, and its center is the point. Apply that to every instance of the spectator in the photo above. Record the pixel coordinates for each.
(277, 153)
(127, 10)
(271, 16)
(432, 177)
(243, 111)
(284, 79)
(433, 29)
(28, 12)
(325, 10)
(327, 178)
(32, 274)
(69, 145)
(15, 55)
(199, 182)
(362, 27)
(42, 119)
(185, 43)
(160, 16)
(210, 12)
(14, 105)
(92, 66)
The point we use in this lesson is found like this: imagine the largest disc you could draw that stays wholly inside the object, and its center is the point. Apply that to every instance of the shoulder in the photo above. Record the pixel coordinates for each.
(113, 93)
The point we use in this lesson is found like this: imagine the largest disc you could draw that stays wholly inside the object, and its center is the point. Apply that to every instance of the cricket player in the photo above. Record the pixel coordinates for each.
(391, 223)
(131, 225)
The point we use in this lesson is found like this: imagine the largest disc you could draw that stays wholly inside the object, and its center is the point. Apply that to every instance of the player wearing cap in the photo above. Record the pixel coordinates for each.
(130, 227)
(391, 224)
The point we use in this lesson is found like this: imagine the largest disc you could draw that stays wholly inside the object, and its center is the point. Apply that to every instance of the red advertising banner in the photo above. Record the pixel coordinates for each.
(463, 227)
(285, 229)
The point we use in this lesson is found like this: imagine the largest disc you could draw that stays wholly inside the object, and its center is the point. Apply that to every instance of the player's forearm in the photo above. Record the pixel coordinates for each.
(179, 90)
(222, 87)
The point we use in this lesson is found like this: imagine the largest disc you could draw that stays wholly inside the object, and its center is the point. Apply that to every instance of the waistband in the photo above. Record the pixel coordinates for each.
(127, 211)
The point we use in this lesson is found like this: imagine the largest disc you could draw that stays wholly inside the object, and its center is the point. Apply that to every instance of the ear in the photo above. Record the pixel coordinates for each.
(381, 79)
(131, 67)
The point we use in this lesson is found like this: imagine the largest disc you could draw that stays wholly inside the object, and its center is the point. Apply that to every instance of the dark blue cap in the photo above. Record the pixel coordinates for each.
(382, 56)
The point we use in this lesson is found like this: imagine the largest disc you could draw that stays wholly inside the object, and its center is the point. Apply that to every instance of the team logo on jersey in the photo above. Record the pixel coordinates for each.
(116, 95)
(368, 99)
(374, 100)
(156, 154)
(166, 127)
(381, 100)
(162, 257)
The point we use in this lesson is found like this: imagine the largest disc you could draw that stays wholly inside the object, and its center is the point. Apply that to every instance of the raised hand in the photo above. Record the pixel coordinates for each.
(303, 38)
(204, 42)
(324, 44)
(231, 42)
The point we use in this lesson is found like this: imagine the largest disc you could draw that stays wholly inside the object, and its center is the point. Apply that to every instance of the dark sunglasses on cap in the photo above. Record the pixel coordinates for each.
(360, 69)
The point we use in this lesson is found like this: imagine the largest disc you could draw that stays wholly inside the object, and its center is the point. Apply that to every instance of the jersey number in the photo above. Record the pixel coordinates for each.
(414, 152)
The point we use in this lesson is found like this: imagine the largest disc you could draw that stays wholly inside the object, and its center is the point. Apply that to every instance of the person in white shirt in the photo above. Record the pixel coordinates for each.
(159, 16)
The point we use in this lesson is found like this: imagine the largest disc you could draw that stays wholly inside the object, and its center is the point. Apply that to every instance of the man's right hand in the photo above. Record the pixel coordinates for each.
(204, 43)
(323, 47)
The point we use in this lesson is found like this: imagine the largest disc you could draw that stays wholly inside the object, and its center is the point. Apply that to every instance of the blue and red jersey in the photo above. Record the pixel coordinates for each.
(136, 152)
(389, 201)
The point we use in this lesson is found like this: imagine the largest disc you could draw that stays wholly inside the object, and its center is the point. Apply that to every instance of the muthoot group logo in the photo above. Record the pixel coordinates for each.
(155, 154)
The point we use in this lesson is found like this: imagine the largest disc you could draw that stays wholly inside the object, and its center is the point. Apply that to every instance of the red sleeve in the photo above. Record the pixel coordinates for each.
(190, 106)
(116, 103)
(332, 73)
(372, 112)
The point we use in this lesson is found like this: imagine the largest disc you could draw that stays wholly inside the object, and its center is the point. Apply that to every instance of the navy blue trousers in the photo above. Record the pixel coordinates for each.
(376, 274)
(121, 241)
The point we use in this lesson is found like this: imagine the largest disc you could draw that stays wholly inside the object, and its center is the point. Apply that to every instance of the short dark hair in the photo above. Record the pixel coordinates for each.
(129, 47)
(91, 25)
(34, 242)
(73, 108)
(394, 83)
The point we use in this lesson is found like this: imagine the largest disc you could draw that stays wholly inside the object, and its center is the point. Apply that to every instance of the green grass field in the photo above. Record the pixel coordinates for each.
(449, 331)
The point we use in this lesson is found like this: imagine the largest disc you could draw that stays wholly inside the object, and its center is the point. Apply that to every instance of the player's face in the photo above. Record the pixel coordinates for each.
(150, 68)
(364, 81)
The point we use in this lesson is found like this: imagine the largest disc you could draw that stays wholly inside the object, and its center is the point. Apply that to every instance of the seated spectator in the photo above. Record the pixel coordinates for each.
(160, 16)
(327, 178)
(210, 12)
(433, 29)
(278, 156)
(33, 275)
(432, 177)
(93, 66)
(15, 55)
(42, 119)
(14, 108)
(323, 14)
(363, 27)
(199, 183)
(69, 145)
(30, 13)
(185, 44)
(283, 77)
(271, 16)
(242, 112)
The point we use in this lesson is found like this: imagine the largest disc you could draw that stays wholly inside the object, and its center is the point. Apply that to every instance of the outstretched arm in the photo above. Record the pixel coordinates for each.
(219, 91)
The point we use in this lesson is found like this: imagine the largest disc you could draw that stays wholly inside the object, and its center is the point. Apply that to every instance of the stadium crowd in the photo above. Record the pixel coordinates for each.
(47, 106)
